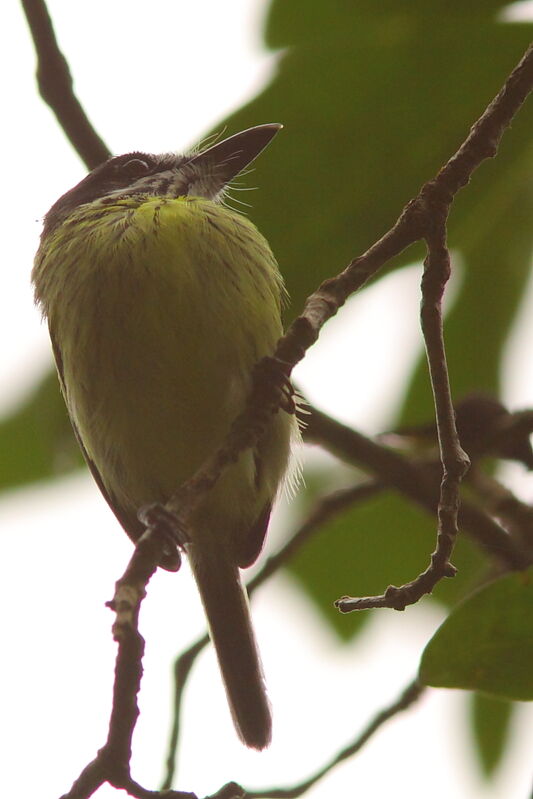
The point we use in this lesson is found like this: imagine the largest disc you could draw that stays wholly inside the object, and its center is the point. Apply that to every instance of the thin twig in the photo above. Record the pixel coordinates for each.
(415, 222)
(56, 86)
(407, 698)
(325, 509)
(112, 763)
(415, 481)
(438, 195)
(455, 461)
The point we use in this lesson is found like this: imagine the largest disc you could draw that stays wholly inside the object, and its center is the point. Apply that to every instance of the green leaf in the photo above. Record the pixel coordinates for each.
(486, 643)
(37, 440)
(490, 724)
(373, 105)
(301, 20)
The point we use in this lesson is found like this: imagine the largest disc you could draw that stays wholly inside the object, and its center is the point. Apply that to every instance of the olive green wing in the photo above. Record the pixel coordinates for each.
(129, 522)
(247, 552)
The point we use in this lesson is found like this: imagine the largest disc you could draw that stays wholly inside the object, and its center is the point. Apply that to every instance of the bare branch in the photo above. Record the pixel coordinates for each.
(415, 481)
(407, 698)
(112, 763)
(229, 791)
(433, 203)
(415, 222)
(454, 460)
(56, 87)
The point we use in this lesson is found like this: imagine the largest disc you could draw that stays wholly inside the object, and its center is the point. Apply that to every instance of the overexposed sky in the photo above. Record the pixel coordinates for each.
(63, 548)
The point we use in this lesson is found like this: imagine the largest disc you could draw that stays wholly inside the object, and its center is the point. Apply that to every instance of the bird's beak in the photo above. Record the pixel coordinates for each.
(229, 157)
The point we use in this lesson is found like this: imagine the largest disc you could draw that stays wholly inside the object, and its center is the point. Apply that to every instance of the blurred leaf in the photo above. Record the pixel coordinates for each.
(301, 20)
(372, 107)
(486, 643)
(374, 100)
(386, 540)
(38, 438)
(490, 721)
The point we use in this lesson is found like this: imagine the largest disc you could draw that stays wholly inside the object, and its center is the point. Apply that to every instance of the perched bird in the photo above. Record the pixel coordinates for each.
(160, 300)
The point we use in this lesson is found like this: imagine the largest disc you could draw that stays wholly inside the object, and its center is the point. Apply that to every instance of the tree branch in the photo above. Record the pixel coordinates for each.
(455, 461)
(56, 86)
(112, 764)
(414, 481)
(407, 698)
(416, 221)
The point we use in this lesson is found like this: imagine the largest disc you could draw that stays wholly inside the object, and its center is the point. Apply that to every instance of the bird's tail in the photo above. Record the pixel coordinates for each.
(226, 607)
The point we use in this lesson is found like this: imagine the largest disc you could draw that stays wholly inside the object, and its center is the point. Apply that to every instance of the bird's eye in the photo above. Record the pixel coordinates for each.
(135, 167)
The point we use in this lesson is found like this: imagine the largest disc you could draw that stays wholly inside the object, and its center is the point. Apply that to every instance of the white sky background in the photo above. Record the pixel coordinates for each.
(198, 60)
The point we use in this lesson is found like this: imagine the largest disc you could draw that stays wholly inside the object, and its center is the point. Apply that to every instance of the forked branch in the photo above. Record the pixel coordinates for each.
(424, 217)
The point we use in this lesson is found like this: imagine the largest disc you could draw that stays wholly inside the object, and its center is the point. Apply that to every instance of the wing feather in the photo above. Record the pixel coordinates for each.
(129, 521)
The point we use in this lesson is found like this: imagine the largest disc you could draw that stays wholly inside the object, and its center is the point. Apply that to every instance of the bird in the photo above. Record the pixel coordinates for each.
(160, 300)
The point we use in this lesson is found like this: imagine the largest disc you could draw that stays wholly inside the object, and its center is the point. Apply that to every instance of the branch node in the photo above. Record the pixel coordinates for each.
(449, 570)
(231, 790)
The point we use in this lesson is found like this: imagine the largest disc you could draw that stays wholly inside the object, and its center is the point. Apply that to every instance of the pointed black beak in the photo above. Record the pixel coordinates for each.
(232, 155)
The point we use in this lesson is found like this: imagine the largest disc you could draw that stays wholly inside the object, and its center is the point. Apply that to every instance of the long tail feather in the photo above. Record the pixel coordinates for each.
(226, 607)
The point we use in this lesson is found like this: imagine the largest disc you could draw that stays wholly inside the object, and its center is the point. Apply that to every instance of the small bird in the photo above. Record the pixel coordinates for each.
(160, 300)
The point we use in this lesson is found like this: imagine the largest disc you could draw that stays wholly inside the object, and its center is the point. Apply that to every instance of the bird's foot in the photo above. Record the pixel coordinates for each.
(165, 523)
(271, 371)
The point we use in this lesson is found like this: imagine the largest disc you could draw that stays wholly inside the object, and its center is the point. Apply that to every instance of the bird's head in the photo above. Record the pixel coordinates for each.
(200, 174)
